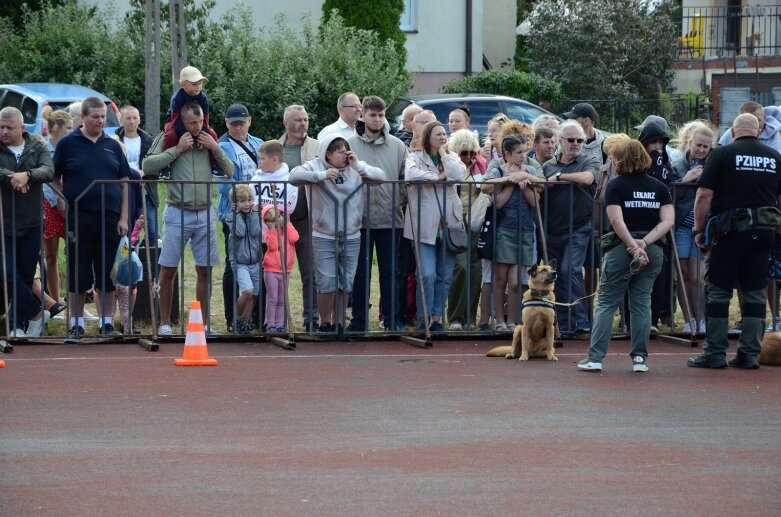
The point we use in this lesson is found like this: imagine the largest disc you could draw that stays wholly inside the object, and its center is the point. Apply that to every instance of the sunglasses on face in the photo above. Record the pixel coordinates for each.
(578, 140)
(468, 153)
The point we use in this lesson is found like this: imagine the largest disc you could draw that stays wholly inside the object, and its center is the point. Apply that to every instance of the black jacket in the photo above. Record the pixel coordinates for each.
(146, 143)
(22, 212)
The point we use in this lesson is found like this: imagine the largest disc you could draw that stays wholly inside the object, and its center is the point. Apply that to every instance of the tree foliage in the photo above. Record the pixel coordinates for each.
(381, 17)
(603, 48)
(523, 85)
(265, 70)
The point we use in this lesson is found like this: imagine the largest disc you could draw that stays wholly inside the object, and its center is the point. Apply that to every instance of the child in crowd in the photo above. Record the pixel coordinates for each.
(244, 250)
(281, 241)
(272, 170)
(190, 90)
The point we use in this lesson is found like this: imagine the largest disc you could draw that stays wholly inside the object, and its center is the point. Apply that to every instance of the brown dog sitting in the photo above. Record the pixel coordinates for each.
(770, 355)
(534, 337)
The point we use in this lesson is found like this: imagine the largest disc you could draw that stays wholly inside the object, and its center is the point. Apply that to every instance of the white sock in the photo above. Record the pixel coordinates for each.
(77, 321)
(108, 321)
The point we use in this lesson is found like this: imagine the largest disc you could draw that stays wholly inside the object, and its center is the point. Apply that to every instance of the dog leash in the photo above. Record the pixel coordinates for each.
(635, 267)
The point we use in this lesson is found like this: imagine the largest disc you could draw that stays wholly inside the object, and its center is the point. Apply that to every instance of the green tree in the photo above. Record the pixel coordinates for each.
(523, 85)
(13, 9)
(383, 18)
(603, 49)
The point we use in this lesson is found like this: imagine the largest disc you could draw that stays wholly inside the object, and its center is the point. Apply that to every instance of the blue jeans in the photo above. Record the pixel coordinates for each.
(23, 254)
(436, 269)
(151, 222)
(570, 253)
(387, 242)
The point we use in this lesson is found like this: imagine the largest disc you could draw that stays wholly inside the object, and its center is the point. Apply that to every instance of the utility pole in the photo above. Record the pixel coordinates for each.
(178, 26)
(152, 66)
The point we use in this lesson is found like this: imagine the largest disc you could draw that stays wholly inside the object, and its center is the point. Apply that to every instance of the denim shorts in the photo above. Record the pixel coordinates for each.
(324, 252)
(247, 277)
(685, 246)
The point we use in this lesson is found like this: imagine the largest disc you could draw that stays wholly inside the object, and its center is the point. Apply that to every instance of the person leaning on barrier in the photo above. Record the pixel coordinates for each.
(84, 156)
(188, 215)
(737, 205)
(383, 220)
(25, 165)
(337, 212)
(298, 149)
(429, 205)
(241, 148)
(641, 213)
(585, 115)
(568, 245)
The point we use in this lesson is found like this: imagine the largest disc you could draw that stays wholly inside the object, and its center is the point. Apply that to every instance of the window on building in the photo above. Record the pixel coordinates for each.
(409, 18)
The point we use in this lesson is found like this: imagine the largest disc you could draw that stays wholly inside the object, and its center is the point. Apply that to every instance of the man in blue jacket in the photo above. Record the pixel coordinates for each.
(242, 150)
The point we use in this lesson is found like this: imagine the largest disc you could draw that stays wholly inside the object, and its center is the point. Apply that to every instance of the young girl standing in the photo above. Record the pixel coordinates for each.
(281, 241)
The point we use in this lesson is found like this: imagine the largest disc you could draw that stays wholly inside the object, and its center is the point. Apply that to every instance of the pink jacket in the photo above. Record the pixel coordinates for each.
(272, 259)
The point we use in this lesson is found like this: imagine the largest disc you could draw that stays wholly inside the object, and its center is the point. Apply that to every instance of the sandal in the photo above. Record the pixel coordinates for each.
(501, 327)
(56, 308)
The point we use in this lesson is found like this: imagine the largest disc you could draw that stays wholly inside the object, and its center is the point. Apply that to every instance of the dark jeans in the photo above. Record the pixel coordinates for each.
(570, 253)
(151, 222)
(23, 254)
(387, 243)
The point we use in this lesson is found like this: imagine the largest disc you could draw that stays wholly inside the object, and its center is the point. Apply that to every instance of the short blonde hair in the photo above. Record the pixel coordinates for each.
(609, 144)
(463, 140)
(242, 191)
(516, 127)
(272, 215)
(631, 158)
(272, 148)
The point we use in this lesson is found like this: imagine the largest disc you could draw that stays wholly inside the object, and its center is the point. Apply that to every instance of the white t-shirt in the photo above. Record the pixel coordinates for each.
(247, 167)
(265, 192)
(133, 146)
(17, 150)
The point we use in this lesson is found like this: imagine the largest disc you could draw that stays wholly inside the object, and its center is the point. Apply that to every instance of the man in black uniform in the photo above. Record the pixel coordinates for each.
(738, 198)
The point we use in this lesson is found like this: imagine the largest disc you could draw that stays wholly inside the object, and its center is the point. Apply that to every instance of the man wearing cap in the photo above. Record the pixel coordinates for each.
(188, 214)
(299, 148)
(241, 148)
(769, 125)
(737, 205)
(349, 107)
(586, 116)
(568, 213)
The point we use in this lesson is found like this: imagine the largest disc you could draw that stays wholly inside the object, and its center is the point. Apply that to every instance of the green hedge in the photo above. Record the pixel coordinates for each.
(522, 85)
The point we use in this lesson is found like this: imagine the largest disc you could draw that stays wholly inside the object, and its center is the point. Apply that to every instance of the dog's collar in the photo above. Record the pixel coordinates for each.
(539, 294)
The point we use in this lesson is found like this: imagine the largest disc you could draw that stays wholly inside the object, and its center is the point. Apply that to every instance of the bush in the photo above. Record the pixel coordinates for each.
(522, 85)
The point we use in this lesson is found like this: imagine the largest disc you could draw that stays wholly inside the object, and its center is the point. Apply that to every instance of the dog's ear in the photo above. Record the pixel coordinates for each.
(533, 270)
(553, 264)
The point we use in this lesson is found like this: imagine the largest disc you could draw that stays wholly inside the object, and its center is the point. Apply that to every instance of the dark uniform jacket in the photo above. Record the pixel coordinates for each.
(25, 212)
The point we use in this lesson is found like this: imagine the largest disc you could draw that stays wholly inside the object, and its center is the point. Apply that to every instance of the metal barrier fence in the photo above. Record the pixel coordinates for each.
(400, 264)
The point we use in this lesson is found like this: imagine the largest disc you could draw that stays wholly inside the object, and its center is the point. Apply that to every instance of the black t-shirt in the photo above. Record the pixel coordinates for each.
(743, 174)
(640, 197)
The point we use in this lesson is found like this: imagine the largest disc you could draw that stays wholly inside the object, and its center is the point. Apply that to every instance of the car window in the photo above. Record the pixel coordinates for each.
(12, 99)
(29, 110)
(523, 112)
(483, 111)
(111, 116)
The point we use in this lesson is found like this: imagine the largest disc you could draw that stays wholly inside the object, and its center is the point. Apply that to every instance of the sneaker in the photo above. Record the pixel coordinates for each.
(687, 328)
(587, 365)
(774, 325)
(701, 327)
(18, 333)
(436, 327)
(165, 330)
(455, 326)
(654, 330)
(737, 329)
(483, 327)
(35, 327)
(280, 329)
(75, 334)
(639, 364)
(88, 316)
(107, 331)
(326, 328)
(211, 332)
(356, 328)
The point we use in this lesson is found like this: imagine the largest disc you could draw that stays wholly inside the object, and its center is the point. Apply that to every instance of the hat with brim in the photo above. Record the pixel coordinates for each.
(236, 112)
(653, 119)
(584, 109)
(192, 75)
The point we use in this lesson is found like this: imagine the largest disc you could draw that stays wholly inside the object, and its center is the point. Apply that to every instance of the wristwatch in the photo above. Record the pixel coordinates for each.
(557, 176)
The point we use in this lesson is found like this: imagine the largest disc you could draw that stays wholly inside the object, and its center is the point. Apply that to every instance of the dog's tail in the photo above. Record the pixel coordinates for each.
(500, 351)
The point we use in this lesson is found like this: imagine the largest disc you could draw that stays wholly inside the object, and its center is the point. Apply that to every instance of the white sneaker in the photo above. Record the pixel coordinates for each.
(639, 364)
(589, 366)
(165, 330)
(59, 316)
(687, 328)
(18, 333)
(88, 316)
(702, 326)
(455, 326)
(35, 327)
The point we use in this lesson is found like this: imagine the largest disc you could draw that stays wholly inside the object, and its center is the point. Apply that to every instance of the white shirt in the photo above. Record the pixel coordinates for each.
(133, 146)
(339, 127)
(266, 193)
(17, 150)
(247, 167)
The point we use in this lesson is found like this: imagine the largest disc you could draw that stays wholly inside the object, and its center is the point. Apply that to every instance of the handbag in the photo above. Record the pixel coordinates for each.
(479, 208)
(485, 240)
(456, 240)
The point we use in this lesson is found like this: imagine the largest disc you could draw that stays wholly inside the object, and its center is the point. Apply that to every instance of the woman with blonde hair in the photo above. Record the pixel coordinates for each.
(695, 141)
(491, 150)
(641, 213)
(464, 143)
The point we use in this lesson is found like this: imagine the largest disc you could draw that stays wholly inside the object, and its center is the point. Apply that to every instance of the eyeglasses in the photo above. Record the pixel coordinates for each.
(578, 140)
(354, 106)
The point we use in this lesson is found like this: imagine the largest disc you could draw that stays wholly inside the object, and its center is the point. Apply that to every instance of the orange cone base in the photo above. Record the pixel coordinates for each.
(2, 364)
(196, 362)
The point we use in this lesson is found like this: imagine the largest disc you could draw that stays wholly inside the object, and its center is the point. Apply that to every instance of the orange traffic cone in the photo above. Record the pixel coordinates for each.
(195, 350)
(2, 363)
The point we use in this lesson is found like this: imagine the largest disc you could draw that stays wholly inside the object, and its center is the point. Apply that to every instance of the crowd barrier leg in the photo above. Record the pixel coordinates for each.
(151, 345)
(687, 308)
(5, 344)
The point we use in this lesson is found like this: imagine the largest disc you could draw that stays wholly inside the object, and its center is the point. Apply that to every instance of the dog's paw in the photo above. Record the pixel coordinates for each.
(523, 358)
(552, 357)
(509, 356)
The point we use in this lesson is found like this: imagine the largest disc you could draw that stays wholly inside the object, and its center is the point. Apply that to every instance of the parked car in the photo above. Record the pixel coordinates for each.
(30, 99)
(482, 106)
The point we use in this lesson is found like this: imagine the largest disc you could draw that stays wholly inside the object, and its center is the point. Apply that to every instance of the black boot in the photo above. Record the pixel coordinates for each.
(706, 361)
(741, 360)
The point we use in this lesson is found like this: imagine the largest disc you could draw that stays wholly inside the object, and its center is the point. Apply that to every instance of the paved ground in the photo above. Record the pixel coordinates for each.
(383, 429)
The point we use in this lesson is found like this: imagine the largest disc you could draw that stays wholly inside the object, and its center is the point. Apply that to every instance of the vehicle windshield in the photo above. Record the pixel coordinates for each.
(111, 117)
